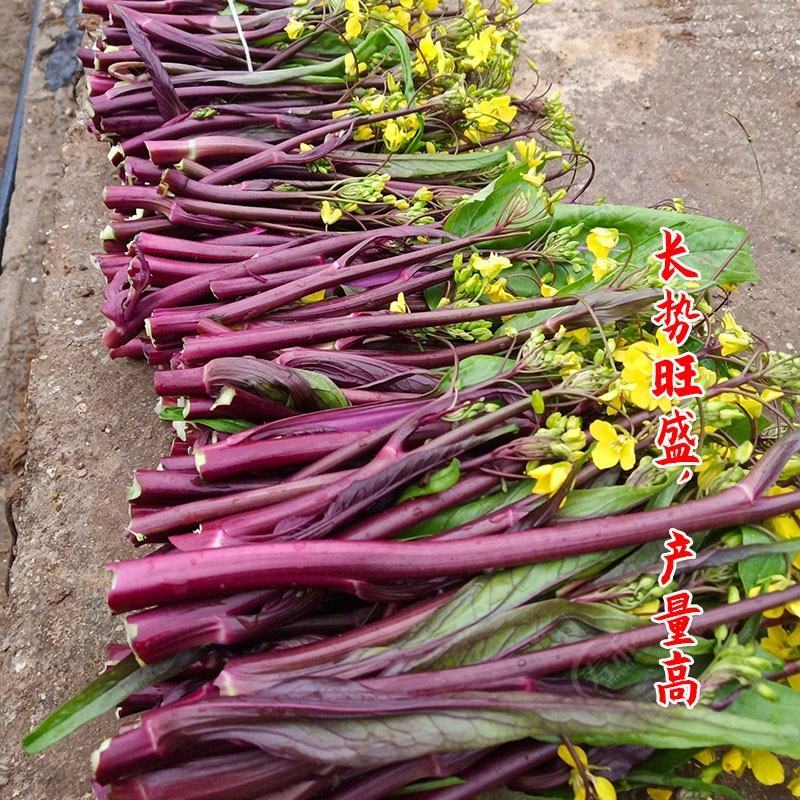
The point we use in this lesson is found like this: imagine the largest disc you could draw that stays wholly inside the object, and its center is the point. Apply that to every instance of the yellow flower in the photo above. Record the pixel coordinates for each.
(350, 66)
(479, 48)
(602, 788)
(547, 290)
(549, 477)
(363, 133)
(532, 154)
(601, 241)
(488, 116)
(490, 266)
(570, 364)
(398, 132)
(497, 293)
(431, 57)
(534, 178)
(353, 26)
(794, 784)
(750, 405)
(580, 335)
(314, 298)
(777, 583)
(399, 306)
(765, 766)
(329, 213)
(734, 338)
(786, 525)
(612, 446)
(705, 757)
(601, 267)
(785, 644)
(637, 371)
(659, 794)
(294, 28)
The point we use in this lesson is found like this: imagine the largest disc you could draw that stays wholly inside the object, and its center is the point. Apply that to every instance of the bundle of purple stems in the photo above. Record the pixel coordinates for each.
(357, 589)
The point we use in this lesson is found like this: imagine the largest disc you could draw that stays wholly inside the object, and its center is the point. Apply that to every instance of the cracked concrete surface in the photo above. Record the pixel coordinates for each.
(650, 80)
(653, 84)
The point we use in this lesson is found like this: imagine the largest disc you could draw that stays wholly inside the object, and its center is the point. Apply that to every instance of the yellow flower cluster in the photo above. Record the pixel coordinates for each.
(601, 788)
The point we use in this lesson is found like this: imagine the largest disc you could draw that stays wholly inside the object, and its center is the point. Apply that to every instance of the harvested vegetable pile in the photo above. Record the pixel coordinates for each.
(409, 536)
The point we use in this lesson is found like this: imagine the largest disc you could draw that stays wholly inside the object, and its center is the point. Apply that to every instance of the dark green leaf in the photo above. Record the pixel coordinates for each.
(504, 633)
(224, 425)
(326, 392)
(711, 242)
(608, 500)
(358, 736)
(453, 517)
(492, 205)
(103, 694)
(412, 165)
(438, 481)
(400, 43)
(473, 370)
(754, 570)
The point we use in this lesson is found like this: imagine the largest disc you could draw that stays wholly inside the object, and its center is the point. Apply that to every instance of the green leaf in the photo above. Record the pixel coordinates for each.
(783, 711)
(103, 694)
(366, 737)
(472, 371)
(754, 570)
(453, 517)
(616, 675)
(504, 633)
(608, 500)
(439, 481)
(326, 392)
(319, 72)
(711, 242)
(400, 42)
(491, 206)
(499, 592)
(223, 425)
(411, 165)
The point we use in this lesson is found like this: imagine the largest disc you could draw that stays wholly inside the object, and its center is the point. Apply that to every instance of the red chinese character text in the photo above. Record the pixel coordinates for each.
(677, 687)
(679, 548)
(677, 442)
(675, 377)
(677, 617)
(676, 316)
(674, 247)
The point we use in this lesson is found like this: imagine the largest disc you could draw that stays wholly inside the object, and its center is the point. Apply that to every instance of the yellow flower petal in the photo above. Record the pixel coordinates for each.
(732, 759)
(627, 457)
(314, 298)
(565, 754)
(601, 241)
(604, 456)
(603, 431)
(705, 757)
(603, 788)
(549, 477)
(765, 767)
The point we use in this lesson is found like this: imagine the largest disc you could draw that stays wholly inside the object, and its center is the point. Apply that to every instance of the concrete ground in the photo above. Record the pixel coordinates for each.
(653, 84)
(651, 81)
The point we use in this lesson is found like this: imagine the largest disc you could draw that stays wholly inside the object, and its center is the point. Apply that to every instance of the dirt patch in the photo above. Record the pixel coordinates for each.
(90, 422)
